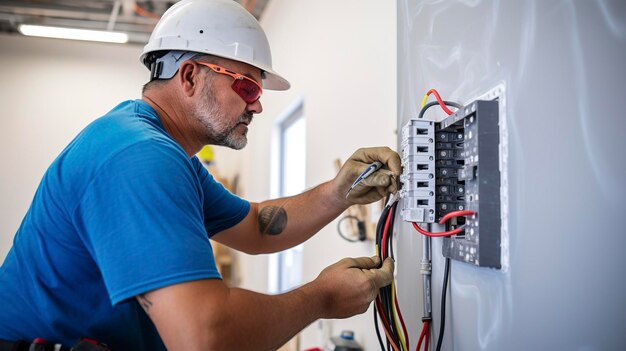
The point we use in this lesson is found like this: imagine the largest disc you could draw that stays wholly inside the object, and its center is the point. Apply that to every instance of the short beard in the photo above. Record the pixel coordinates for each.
(214, 121)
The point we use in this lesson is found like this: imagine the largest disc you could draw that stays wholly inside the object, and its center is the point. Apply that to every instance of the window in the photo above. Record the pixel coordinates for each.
(285, 268)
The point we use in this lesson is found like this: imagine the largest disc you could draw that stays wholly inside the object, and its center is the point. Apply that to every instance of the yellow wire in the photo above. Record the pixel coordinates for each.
(424, 101)
(395, 315)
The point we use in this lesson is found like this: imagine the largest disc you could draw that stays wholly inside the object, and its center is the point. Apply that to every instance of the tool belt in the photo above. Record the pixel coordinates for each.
(40, 344)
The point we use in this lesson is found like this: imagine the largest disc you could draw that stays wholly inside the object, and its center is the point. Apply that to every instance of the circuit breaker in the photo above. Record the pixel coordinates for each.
(418, 164)
(452, 165)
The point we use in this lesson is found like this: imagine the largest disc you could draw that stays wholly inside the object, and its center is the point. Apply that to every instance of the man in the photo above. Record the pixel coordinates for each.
(115, 244)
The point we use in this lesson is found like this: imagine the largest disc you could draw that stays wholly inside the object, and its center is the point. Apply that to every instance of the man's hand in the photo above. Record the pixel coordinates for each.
(350, 285)
(374, 187)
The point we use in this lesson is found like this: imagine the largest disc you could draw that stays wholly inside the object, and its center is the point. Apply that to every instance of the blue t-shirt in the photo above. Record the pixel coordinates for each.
(121, 211)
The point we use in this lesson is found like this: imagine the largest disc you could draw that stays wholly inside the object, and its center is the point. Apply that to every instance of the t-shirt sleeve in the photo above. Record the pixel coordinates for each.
(222, 209)
(141, 218)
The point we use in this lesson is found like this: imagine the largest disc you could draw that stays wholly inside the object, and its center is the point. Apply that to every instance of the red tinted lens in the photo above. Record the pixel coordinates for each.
(249, 91)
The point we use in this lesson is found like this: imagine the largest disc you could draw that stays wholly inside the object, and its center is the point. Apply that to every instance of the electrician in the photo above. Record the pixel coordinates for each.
(115, 245)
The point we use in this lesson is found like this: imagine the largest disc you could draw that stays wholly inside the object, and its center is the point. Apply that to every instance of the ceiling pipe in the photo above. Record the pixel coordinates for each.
(114, 13)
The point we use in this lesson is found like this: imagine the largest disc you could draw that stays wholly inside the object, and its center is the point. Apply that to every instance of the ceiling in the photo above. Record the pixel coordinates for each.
(136, 18)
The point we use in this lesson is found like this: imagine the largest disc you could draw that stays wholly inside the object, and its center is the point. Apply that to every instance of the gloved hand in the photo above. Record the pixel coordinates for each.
(349, 286)
(374, 187)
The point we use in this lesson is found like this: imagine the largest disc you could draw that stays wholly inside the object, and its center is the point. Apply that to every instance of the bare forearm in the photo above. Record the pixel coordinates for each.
(264, 322)
(287, 222)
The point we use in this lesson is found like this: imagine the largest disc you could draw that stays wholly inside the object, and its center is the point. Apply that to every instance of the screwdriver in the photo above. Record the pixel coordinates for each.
(366, 173)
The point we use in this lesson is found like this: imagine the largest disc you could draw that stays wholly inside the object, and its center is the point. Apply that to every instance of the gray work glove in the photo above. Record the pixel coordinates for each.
(377, 185)
(349, 286)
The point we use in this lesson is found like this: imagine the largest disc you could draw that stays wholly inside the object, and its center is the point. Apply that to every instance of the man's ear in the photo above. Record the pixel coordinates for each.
(188, 77)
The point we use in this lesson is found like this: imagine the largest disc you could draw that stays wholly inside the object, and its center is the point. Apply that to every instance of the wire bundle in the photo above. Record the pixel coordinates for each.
(386, 306)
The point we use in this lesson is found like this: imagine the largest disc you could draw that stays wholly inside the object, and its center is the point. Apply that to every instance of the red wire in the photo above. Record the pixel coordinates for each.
(444, 220)
(427, 337)
(456, 214)
(440, 101)
(419, 342)
(406, 335)
(436, 235)
(383, 252)
(423, 336)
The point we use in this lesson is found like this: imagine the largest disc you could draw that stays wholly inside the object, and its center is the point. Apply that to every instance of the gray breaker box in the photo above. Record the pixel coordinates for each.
(477, 183)
(418, 172)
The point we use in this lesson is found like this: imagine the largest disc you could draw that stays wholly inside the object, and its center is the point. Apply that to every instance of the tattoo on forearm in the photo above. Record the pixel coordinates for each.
(272, 220)
(145, 303)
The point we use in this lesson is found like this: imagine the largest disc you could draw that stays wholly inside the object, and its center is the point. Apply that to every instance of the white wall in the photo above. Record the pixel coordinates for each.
(340, 56)
(50, 90)
(565, 163)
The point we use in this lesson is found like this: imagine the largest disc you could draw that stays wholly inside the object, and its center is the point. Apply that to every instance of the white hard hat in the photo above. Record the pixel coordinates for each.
(216, 27)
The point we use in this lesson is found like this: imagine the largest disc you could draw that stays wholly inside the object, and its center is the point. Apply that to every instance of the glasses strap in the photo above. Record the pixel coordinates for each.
(166, 66)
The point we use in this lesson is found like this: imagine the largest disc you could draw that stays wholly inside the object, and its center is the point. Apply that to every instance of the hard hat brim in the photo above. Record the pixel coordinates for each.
(274, 81)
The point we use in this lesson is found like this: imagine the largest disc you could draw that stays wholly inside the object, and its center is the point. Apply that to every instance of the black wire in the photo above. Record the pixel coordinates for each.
(380, 339)
(389, 241)
(379, 229)
(444, 295)
(435, 103)
(339, 228)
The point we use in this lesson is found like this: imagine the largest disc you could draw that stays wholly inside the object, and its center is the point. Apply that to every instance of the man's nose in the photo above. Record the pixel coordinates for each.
(255, 107)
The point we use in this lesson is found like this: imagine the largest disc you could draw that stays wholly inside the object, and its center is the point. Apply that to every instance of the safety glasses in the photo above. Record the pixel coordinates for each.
(249, 90)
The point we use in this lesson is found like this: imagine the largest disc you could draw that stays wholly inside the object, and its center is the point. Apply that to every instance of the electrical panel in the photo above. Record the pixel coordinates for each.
(453, 165)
